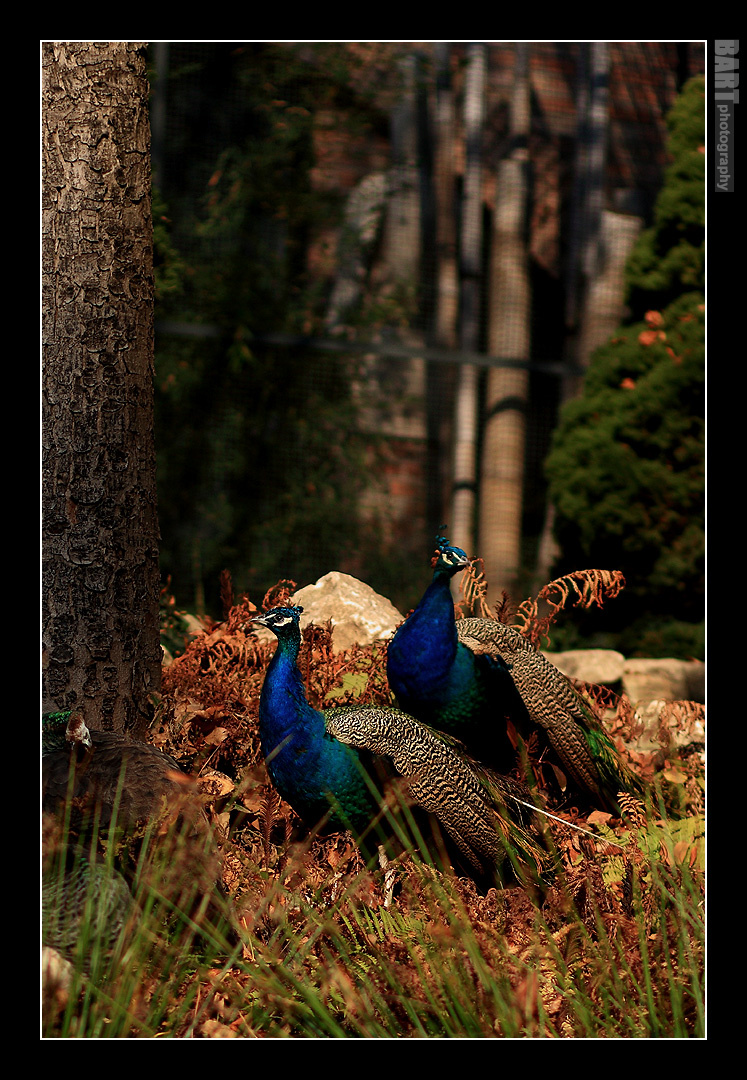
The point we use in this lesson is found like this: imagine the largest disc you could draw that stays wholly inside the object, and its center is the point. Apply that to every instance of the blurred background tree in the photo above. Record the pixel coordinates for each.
(627, 467)
(254, 440)
(669, 258)
(310, 227)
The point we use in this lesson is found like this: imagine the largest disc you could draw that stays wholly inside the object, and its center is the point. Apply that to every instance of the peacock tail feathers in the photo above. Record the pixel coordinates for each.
(552, 703)
(84, 905)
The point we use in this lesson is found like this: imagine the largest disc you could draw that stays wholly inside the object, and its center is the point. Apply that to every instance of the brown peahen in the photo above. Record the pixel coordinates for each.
(106, 773)
(94, 781)
(85, 905)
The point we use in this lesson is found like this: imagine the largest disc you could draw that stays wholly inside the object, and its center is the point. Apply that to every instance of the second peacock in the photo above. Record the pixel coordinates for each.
(468, 676)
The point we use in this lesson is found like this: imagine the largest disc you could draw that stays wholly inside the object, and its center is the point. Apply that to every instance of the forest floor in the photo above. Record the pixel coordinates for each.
(605, 881)
(611, 945)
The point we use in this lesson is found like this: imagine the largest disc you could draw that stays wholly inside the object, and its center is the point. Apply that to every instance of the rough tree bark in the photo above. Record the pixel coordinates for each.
(100, 578)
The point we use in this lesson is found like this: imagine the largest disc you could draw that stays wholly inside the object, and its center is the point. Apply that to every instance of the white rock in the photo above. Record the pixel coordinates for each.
(664, 679)
(600, 666)
(359, 615)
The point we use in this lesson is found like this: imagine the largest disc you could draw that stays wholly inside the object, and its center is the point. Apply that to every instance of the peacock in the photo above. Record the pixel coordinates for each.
(467, 676)
(102, 771)
(84, 903)
(446, 684)
(96, 780)
(335, 766)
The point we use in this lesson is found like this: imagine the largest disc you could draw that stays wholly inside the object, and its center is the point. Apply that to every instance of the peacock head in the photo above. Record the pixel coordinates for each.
(279, 618)
(65, 728)
(449, 558)
(77, 731)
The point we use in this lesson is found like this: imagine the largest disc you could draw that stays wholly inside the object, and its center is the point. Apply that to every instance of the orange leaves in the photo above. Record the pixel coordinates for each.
(654, 321)
(650, 337)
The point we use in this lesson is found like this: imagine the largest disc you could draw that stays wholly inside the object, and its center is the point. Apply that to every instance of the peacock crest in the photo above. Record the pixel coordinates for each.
(449, 557)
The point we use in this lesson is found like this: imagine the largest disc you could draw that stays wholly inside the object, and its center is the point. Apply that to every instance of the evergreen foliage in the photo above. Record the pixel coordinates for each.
(626, 469)
(260, 466)
(669, 257)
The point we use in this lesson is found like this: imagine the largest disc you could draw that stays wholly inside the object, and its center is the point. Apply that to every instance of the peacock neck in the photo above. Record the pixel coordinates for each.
(283, 704)
(305, 763)
(423, 650)
(436, 611)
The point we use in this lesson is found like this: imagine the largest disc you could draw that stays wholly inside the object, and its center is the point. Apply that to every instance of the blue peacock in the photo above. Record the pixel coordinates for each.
(443, 681)
(467, 676)
(334, 766)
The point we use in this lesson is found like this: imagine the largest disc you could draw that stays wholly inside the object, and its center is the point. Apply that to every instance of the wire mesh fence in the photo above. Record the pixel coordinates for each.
(384, 267)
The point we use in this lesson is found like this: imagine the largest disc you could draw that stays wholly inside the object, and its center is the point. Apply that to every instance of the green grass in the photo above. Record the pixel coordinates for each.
(307, 949)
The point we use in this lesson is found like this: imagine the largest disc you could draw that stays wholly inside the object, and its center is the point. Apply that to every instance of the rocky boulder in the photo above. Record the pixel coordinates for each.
(667, 679)
(604, 667)
(360, 616)
(641, 680)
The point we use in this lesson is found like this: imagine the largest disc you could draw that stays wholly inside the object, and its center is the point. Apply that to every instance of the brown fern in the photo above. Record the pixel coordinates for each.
(474, 587)
(632, 809)
(318, 663)
(279, 594)
(584, 587)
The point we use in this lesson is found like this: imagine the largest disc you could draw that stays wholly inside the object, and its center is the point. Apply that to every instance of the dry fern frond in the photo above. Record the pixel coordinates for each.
(317, 661)
(474, 587)
(632, 809)
(684, 717)
(504, 609)
(270, 808)
(584, 587)
(279, 594)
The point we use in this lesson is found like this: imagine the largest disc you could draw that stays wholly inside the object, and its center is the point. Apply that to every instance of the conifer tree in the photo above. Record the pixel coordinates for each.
(626, 470)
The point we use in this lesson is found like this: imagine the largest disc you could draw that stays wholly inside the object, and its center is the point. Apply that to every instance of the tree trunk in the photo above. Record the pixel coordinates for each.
(101, 648)
(442, 377)
(506, 399)
(464, 473)
(593, 272)
(587, 246)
